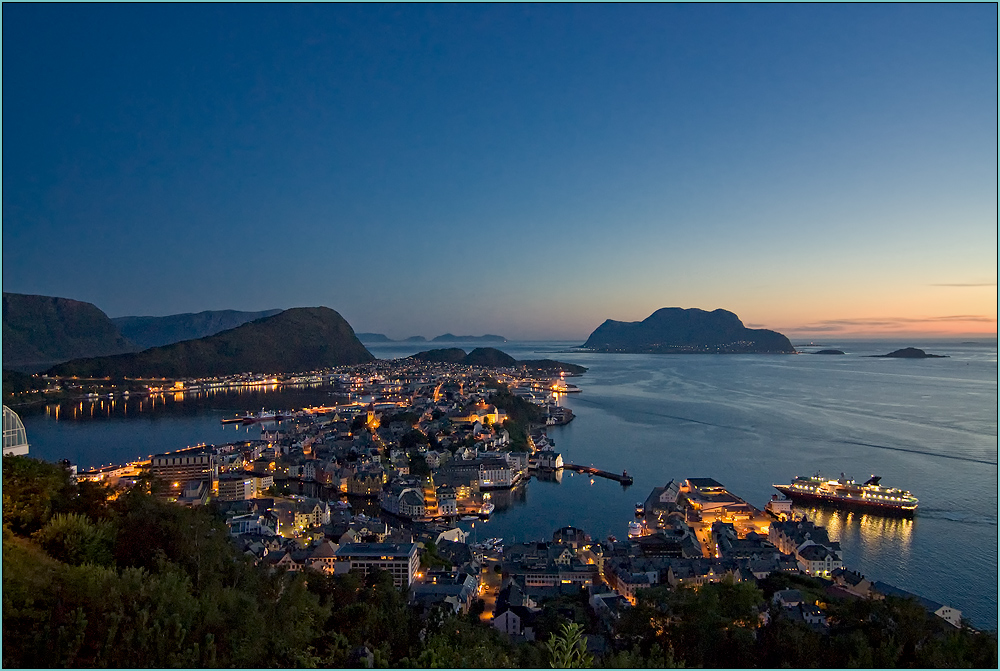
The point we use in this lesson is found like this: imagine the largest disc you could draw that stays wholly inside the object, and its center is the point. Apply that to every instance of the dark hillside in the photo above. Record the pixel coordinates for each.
(299, 339)
(39, 331)
(158, 331)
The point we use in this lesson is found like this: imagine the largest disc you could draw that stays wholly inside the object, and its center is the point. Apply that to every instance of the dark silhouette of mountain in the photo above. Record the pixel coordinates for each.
(827, 351)
(39, 331)
(158, 331)
(299, 339)
(448, 337)
(450, 355)
(908, 353)
(416, 339)
(679, 330)
(488, 357)
(373, 337)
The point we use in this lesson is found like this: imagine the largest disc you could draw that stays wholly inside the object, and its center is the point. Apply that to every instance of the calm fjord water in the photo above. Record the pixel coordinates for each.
(749, 421)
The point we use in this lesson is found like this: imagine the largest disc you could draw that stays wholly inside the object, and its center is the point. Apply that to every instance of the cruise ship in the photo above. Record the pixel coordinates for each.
(845, 493)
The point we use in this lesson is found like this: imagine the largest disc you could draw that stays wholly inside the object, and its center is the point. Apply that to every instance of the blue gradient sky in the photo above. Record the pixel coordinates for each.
(515, 169)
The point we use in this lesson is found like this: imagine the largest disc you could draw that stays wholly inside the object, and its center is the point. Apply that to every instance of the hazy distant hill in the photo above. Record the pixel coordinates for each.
(677, 330)
(374, 337)
(157, 331)
(39, 331)
(448, 337)
(490, 357)
(294, 340)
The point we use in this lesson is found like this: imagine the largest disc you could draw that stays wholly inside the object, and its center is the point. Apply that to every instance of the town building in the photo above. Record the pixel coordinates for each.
(399, 559)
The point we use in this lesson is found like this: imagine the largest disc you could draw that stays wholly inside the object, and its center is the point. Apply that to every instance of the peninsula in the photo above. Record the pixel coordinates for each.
(494, 358)
(686, 331)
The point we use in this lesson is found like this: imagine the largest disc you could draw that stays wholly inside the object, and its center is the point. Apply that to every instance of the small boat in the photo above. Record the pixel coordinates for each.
(640, 509)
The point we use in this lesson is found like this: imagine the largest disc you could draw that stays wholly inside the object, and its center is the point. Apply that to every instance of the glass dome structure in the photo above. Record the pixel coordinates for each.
(15, 441)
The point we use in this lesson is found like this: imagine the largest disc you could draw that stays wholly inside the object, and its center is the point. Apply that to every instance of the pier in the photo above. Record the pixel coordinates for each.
(625, 479)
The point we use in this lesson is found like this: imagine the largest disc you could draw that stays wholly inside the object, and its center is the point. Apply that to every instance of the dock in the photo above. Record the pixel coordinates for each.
(625, 479)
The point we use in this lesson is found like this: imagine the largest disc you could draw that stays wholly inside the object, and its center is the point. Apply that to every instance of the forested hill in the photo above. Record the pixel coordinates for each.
(158, 331)
(39, 331)
(491, 357)
(299, 339)
(679, 330)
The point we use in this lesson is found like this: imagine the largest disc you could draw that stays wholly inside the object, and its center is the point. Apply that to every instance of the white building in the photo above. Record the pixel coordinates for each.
(15, 440)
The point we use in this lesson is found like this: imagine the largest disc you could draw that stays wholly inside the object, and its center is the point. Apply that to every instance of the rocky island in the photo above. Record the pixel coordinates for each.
(686, 331)
(908, 353)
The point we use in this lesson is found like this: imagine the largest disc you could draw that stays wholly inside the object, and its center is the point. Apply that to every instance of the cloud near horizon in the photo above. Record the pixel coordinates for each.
(965, 284)
(881, 323)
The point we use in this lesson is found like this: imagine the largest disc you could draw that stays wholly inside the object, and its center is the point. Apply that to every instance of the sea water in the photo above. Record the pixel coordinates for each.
(749, 421)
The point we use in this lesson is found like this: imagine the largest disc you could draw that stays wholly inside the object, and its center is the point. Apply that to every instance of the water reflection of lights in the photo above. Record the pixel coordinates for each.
(872, 531)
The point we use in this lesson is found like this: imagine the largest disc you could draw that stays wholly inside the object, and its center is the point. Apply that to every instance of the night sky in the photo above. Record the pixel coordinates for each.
(515, 169)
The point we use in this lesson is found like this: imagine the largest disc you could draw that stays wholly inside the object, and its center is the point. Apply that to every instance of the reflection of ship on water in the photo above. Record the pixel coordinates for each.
(878, 533)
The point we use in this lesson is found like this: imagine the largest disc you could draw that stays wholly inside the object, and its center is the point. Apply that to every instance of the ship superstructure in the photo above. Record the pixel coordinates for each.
(845, 493)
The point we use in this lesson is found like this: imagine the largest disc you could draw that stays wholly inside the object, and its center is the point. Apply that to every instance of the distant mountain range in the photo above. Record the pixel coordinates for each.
(374, 338)
(448, 337)
(39, 331)
(293, 340)
(158, 331)
(493, 358)
(686, 331)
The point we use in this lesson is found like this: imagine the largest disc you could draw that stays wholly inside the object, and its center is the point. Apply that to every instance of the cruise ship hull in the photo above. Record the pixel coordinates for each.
(847, 503)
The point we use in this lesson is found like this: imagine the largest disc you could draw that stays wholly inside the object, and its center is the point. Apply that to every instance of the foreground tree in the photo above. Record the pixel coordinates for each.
(568, 648)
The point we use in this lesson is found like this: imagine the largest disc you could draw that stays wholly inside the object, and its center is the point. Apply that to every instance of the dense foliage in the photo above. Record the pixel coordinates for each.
(521, 414)
(725, 625)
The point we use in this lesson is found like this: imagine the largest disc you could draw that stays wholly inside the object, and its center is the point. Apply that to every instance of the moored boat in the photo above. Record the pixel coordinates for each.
(845, 493)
